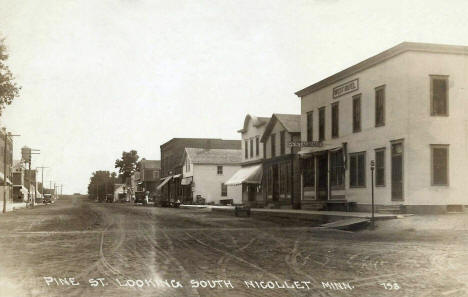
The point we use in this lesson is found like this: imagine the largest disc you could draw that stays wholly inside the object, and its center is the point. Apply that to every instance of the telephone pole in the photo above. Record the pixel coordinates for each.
(7, 135)
(42, 178)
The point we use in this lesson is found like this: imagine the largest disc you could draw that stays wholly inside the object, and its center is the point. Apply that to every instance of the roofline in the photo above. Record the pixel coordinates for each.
(381, 57)
(188, 138)
(263, 137)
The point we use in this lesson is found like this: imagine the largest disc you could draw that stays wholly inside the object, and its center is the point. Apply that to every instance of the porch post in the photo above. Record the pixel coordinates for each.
(315, 177)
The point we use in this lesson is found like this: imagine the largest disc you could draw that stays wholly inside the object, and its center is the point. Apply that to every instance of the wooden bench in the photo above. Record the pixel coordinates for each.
(346, 203)
(242, 209)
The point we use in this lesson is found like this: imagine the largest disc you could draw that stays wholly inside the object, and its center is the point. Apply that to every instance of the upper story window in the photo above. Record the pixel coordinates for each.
(357, 113)
(321, 123)
(273, 145)
(257, 144)
(439, 95)
(251, 147)
(335, 120)
(246, 149)
(220, 170)
(282, 143)
(224, 190)
(380, 106)
(310, 126)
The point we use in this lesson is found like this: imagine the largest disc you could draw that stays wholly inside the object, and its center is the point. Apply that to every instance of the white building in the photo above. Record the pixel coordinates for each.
(248, 179)
(407, 109)
(205, 172)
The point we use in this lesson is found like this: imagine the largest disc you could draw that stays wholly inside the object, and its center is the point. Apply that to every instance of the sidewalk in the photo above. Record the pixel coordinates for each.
(14, 206)
(299, 213)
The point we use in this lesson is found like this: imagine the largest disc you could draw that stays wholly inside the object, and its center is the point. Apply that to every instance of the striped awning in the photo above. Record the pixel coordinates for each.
(164, 182)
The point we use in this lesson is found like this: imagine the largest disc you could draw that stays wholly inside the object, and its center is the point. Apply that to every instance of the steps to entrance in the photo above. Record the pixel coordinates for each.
(391, 209)
(313, 205)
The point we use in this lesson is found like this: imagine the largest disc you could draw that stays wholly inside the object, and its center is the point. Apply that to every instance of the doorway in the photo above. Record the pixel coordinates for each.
(322, 177)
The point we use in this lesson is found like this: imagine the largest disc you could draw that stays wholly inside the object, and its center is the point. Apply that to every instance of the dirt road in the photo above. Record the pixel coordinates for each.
(81, 248)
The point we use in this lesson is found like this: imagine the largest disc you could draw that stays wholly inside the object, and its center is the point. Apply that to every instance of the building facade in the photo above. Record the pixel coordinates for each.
(172, 154)
(248, 179)
(406, 110)
(205, 173)
(281, 172)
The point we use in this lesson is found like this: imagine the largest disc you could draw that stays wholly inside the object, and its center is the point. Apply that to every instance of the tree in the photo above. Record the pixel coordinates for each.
(9, 90)
(101, 184)
(127, 164)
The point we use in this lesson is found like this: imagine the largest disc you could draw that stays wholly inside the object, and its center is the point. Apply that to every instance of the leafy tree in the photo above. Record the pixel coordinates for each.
(101, 183)
(127, 164)
(8, 88)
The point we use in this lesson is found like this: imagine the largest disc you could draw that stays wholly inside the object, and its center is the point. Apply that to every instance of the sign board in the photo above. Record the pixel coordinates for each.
(305, 144)
(346, 88)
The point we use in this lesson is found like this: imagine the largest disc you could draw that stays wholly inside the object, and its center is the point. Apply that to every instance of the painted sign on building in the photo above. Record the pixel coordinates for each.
(346, 88)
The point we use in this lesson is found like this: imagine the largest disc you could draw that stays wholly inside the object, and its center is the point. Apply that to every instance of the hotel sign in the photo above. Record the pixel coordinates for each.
(346, 88)
(305, 144)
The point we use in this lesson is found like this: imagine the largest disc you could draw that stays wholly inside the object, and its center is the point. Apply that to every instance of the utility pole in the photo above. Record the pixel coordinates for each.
(372, 166)
(42, 178)
(7, 135)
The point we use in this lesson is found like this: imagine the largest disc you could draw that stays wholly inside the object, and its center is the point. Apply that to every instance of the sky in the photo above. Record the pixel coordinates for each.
(102, 77)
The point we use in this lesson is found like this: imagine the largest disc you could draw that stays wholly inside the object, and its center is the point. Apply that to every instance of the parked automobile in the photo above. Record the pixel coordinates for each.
(47, 199)
(141, 197)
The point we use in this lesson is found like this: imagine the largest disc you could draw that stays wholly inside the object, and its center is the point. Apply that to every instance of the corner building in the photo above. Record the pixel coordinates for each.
(406, 109)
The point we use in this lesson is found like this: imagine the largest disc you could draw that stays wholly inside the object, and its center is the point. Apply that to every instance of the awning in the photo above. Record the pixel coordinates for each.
(165, 181)
(186, 180)
(248, 175)
(176, 176)
(306, 152)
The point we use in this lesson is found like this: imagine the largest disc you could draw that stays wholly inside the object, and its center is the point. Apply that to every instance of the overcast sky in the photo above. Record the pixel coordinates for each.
(100, 77)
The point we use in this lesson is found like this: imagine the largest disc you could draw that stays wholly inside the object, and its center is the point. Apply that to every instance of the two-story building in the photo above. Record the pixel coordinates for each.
(205, 173)
(281, 166)
(406, 109)
(248, 179)
(149, 175)
(172, 154)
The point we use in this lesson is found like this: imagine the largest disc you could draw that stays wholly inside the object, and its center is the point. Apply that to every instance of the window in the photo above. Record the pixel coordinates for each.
(439, 95)
(251, 147)
(335, 120)
(310, 124)
(273, 145)
(380, 106)
(283, 142)
(357, 113)
(357, 170)
(321, 123)
(220, 170)
(223, 190)
(246, 148)
(309, 172)
(257, 145)
(336, 169)
(380, 167)
(440, 157)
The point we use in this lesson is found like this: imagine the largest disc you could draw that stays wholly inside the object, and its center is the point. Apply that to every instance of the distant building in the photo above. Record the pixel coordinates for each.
(248, 178)
(150, 175)
(205, 172)
(172, 154)
(406, 110)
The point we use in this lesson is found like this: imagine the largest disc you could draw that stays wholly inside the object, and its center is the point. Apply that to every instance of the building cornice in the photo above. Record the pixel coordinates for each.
(383, 56)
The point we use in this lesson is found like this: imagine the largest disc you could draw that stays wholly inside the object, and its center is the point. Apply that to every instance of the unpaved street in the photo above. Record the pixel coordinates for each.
(112, 249)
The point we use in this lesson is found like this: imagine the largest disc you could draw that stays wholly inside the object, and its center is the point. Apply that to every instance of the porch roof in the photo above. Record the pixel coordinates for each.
(306, 152)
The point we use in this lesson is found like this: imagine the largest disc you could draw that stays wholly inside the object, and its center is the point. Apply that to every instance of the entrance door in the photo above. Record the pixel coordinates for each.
(397, 171)
(275, 183)
(252, 192)
(322, 176)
